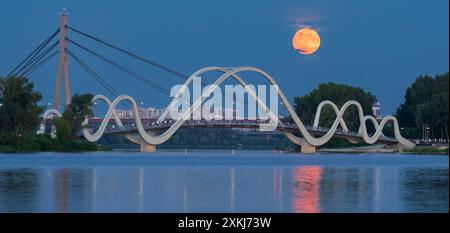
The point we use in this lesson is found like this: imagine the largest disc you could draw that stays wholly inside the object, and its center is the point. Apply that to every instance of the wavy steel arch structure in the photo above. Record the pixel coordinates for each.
(51, 112)
(336, 111)
(130, 137)
(342, 122)
(231, 72)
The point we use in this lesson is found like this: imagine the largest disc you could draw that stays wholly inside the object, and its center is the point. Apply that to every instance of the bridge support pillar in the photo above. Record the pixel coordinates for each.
(145, 147)
(307, 148)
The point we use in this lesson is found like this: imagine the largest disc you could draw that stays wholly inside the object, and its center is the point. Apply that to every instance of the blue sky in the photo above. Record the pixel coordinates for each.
(381, 46)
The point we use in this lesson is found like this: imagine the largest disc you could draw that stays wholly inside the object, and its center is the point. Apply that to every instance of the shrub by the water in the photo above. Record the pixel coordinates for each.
(45, 143)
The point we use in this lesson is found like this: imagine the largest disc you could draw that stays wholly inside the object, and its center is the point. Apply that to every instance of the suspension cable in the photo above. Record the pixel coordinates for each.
(172, 71)
(126, 70)
(95, 75)
(36, 54)
(37, 60)
(31, 70)
(33, 53)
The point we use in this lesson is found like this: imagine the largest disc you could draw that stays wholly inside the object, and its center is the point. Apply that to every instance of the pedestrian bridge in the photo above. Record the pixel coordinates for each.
(311, 136)
(151, 126)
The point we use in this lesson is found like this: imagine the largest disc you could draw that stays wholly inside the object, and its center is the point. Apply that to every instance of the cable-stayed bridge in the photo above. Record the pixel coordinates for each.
(151, 133)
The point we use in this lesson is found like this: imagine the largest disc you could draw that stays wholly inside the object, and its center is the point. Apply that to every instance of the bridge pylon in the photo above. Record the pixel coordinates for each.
(63, 66)
(143, 145)
(306, 147)
(146, 147)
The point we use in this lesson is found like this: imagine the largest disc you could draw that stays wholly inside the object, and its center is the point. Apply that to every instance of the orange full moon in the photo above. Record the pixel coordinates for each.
(306, 41)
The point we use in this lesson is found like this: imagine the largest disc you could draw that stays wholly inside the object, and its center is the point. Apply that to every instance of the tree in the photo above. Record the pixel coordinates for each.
(426, 102)
(305, 106)
(63, 129)
(19, 109)
(76, 112)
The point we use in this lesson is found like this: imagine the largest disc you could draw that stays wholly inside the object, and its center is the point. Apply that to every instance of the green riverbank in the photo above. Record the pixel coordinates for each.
(427, 150)
(43, 143)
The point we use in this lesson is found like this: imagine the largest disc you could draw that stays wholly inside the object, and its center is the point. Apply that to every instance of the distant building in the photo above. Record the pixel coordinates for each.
(154, 113)
(376, 110)
(144, 113)
(227, 113)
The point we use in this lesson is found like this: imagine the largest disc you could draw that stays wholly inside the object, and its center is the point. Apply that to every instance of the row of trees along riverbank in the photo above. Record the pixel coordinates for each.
(20, 118)
(425, 104)
(425, 108)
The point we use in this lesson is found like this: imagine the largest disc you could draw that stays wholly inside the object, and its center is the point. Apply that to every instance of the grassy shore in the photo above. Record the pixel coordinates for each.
(41, 143)
(427, 150)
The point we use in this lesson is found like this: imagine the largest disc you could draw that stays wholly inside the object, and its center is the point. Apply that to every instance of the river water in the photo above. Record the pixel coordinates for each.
(223, 181)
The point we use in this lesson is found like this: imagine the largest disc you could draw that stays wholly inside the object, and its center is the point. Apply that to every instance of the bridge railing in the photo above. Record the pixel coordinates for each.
(153, 124)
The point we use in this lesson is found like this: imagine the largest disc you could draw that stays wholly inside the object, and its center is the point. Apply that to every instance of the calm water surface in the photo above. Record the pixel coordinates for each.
(220, 181)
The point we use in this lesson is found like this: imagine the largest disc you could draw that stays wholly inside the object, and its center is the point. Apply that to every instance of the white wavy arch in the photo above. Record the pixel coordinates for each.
(155, 140)
(50, 113)
(374, 122)
(319, 111)
(131, 137)
(158, 139)
(342, 122)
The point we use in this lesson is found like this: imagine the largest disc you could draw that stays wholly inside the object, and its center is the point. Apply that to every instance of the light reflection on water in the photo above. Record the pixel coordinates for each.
(307, 189)
(138, 187)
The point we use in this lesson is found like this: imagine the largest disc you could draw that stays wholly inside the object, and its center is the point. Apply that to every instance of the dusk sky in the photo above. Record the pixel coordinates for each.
(381, 46)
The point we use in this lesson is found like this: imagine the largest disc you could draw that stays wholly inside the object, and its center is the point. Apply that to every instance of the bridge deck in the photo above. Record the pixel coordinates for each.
(152, 125)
